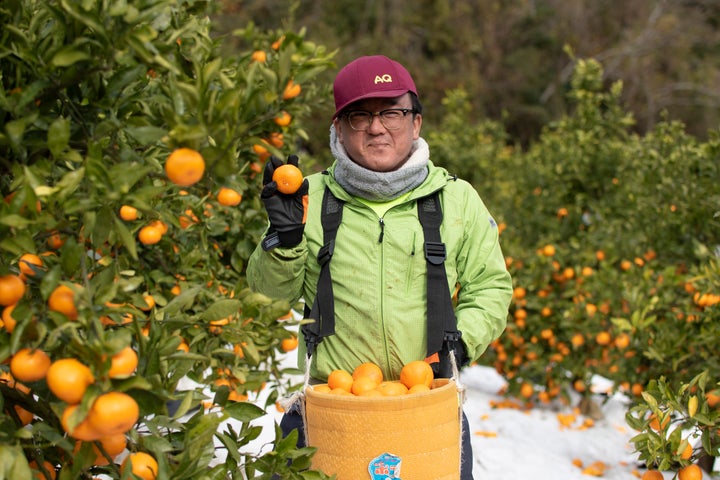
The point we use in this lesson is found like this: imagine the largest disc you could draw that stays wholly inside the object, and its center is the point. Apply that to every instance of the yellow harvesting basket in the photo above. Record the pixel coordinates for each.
(408, 437)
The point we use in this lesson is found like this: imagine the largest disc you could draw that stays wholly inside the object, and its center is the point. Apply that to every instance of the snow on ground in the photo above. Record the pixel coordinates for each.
(511, 443)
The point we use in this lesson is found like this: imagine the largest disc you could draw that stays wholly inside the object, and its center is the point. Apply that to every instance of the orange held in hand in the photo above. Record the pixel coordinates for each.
(288, 178)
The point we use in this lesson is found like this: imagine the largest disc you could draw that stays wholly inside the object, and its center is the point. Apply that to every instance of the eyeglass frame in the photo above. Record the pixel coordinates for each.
(379, 114)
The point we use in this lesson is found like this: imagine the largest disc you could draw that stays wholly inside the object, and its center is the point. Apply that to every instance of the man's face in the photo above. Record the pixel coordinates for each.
(378, 148)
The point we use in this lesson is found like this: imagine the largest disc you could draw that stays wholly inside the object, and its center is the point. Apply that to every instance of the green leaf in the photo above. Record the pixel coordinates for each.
(243, 411)
(68, 55)
(126, 237)
(221, 309)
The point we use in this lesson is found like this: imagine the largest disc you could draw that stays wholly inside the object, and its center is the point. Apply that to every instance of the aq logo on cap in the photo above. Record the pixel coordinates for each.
(387, 78)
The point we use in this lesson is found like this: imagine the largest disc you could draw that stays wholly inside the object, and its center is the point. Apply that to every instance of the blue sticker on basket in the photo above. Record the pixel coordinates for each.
(385, 467)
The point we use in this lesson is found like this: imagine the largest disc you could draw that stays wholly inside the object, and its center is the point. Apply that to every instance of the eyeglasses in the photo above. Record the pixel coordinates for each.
(391, 119)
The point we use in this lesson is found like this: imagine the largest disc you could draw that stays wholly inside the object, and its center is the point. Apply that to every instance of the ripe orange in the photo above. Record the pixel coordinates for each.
(368, 369)
(24, 416)
(420, 387)
(12, 289)
(82, 430)
(29, 365)
(416, 372)
(362, 385)
(687, 452)
(288, 178)
(229, 197)
(691, 472)
(292, 90)
(128, 213)
(68, 379)
(62, 300)
(185, 167)
(123, 363)
(150, 235)
(39, 474)
(29, 263)
(149, 303)
(113, 413)
(526, 390)
(548, 250)
(603, 338)
(339, 391)
(321, 388)
(283, 119)
(340, 379)
(652, 475)
(55, 240)
(392, 389)
(7, 318)
(259, 56)
(289, 344)
(141, 464)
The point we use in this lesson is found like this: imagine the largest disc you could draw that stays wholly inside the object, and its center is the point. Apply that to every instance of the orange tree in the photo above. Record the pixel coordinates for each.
(607, 236)
(105, 244)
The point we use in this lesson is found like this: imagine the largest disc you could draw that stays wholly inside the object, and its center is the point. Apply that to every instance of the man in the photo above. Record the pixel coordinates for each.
(379, 273)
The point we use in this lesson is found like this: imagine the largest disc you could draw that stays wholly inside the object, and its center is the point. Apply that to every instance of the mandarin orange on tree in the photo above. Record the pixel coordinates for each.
(9, 321)
(29, 263)
(62, 300)
(68, 378)
(113, 413)
(123, 363)
(288, 178)
(652, 475)
(185, 167)
(28, 365)
(82, 430)
(229, 197)
(128, 213)
(12, 289)
(416, 372)
(142, 465)
(691, 472)
(150, 235)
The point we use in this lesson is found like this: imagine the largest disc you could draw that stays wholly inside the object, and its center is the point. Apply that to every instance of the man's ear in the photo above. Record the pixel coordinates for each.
(338, 129)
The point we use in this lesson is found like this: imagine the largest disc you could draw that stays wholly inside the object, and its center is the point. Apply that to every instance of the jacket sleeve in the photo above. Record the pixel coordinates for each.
(485, 285)
(278, 273)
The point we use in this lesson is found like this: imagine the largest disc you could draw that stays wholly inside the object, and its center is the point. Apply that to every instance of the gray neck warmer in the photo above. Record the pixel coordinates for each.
(379, 186)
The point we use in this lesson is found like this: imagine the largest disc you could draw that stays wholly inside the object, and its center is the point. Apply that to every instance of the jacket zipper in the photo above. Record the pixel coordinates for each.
(382, 229)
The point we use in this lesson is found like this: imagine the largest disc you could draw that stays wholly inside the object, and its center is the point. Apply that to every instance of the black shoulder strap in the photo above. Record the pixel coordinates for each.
(323, 309)
(441, 322)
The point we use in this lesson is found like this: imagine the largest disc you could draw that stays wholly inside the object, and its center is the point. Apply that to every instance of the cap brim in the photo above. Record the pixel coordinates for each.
(380, 94)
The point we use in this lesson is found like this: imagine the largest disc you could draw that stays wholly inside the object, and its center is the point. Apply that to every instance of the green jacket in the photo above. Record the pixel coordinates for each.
(380, 286)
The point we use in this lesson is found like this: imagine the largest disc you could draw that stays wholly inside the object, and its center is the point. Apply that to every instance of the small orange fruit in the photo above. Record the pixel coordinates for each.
(603, 338)
(229, 197)
(691, 472)
(288, 178)
(289, 344)
(62, 300)
(113, 413)
(39, 474)
(28, 365)
(392, 389)
(128, 213)
(82, 430)
(652, 475)
(416, 372)
(142, 465)
(259, 56)
(68, 379)
(340, 379)
(292, 90)
(149, 235)
(29, 263)
(420, 387)
(24, 416)
(368, 369)
(185, 167)
(283, 119)
(12, 289)
(322, 388)
(123, 363)
(362, 385)
(7, 318)
(687, 452)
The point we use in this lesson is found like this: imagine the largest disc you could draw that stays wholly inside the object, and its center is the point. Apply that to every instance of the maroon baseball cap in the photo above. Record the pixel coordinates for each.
(375, 76)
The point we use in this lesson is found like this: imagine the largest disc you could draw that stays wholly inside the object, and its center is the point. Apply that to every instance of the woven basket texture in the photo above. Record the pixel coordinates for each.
(423, 429)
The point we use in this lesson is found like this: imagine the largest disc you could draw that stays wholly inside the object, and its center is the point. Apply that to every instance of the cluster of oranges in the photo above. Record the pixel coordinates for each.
(367, 380)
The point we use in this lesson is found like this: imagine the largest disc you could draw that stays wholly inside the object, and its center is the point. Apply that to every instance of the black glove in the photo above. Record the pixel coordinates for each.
(287, 213)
